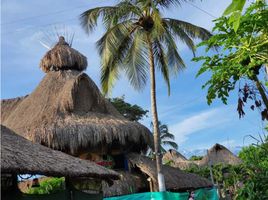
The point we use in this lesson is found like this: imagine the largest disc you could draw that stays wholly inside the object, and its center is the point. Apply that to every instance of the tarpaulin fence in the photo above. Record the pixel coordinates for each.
(201, 194)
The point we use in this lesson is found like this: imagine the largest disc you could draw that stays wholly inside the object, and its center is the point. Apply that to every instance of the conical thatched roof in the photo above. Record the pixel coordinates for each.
(175, 179)
(21, 156)
(219, 154)
(63, 57)
(176, 159)
(8, 105)
(67, 112)
(173, 155)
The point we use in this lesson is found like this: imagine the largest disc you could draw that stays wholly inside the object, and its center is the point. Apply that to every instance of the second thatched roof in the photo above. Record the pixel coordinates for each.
(175, 179)
(67, 112)
(21, 156)
(219, 154)
(63, 57)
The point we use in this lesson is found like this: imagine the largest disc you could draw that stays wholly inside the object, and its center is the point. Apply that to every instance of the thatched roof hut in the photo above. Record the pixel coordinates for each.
(67, 112)
(20, 156)
(173, 155)
(176, 159)
(219, 154)
(63, 57)
(8, 105)
(175, 179)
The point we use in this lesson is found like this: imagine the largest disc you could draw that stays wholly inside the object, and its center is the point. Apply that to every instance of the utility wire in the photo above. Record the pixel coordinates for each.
(204, 11)
(48, 14)
(39, 26)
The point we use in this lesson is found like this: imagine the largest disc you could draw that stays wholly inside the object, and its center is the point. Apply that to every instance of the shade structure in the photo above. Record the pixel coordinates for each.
(219, 154)
(20, 156)
(67, 112)
(63, 57)
(175, 179)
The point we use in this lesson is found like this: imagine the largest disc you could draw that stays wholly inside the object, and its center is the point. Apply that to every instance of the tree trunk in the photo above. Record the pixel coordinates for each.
(261, 90)
(158, 156)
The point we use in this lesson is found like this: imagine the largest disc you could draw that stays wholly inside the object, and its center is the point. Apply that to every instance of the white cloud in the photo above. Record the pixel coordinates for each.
(199, 121)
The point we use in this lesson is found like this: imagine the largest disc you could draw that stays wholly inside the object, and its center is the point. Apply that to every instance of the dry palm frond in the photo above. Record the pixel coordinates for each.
(63, 57)
(176, 180)
(21, 156)
(67, 112)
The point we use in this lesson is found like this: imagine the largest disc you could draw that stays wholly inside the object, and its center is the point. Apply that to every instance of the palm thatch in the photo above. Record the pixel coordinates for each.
(67, 112)
(176, 159)
(219, 154)
(175, 179)
(8, 105)
(127, 184)
(20, 156)
(173, 155)
(63, 57)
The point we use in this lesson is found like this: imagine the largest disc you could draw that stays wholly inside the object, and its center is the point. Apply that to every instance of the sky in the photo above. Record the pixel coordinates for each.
(195, 124)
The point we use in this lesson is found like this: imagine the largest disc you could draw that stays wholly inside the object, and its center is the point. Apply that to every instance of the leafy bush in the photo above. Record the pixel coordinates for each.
(48, 186)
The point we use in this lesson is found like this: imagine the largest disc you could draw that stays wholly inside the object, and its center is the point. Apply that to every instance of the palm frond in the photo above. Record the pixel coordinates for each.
(161, 61)
(175, 62)
(113, 47)
(89, 18)
(171, 143)
(195, 32)
(136, 64)
(168, 3)
(167, 135)
(125, 11)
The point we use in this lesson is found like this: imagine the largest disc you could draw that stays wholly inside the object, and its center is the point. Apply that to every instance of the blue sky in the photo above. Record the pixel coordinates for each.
(194, 124)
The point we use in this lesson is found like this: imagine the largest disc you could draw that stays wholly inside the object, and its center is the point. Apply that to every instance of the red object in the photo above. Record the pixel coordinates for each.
(105, 163)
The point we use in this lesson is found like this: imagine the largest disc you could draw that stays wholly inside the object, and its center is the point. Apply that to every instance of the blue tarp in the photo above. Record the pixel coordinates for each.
(201, 194)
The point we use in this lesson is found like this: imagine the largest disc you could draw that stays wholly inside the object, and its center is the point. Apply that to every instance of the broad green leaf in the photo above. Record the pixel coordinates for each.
(236, 5)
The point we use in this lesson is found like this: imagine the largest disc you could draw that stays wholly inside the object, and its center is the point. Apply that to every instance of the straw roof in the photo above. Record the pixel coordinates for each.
(176, 159)
(219, 154)
(173, 155)
(67, 112)
(127, 184)
(21, 156)
(8, 105)
(175, 179)
(63, 57)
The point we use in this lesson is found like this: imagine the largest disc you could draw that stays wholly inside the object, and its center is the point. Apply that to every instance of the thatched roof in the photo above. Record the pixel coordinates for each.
(67, 112)
(8, 105)
(175, 179)
(127, 184)
(176, 159)
(21, 156)
(173, 155)
(219, 154)
(63, 57)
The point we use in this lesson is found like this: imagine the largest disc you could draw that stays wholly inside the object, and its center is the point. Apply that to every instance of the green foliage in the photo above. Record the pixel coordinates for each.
(235, 10)
(201, 171)
(193, 158)
(166, 138)
(136, 31)
(131, 112)
(247, 180)
(255, 174)
(241, 54)
(48, 186)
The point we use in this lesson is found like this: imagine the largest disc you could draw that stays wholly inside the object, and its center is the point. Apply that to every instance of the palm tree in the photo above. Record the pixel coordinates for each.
(166, 138)
(138, 40)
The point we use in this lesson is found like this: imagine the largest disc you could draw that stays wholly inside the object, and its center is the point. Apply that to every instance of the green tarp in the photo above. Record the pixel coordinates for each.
(201, 194)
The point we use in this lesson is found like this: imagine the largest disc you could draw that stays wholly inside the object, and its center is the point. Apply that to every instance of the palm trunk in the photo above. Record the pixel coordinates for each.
(261, 90)
(158, 156)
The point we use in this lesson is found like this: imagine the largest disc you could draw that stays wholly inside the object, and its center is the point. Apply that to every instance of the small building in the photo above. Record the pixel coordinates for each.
(67, 112)
(176, 180)
(20, 156)
(219, 154)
